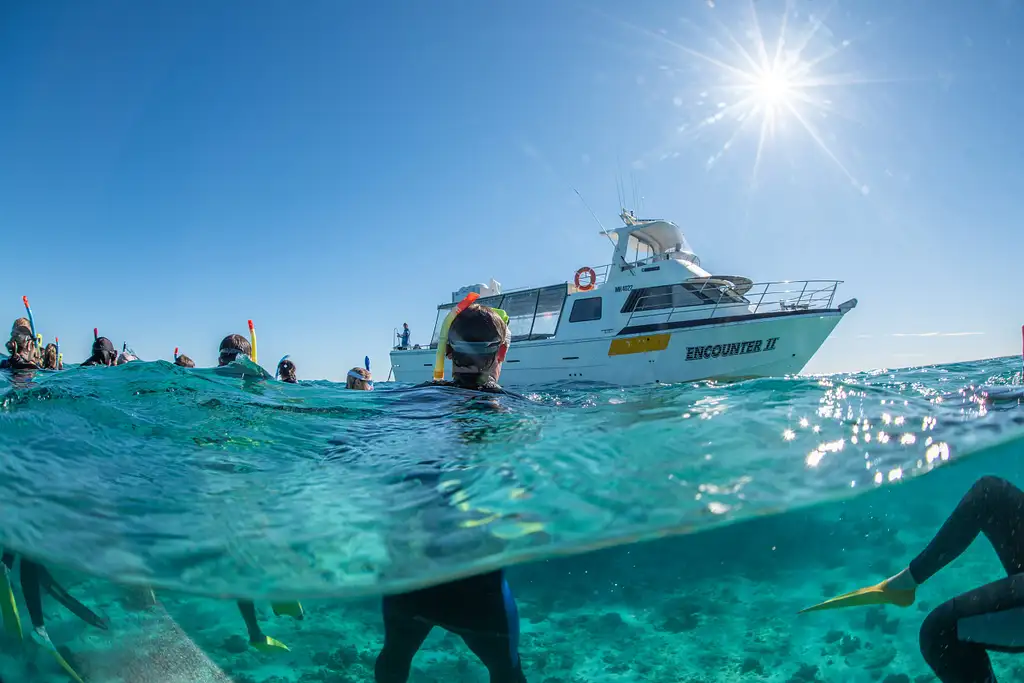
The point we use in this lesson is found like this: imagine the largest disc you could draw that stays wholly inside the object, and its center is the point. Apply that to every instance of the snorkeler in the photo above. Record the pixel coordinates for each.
(231, 347)
(359, 379)
(34, 579)
(50, 359)
(480, 609)
(957, 635)
(286, 371)
(103, 352)
(184, 361)
(22, 348)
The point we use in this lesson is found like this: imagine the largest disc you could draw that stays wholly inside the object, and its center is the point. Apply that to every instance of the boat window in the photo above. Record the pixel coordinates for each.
(585, 310)
(490, 302)
(671, 296)
(520, 307)
(441, 313)
(549, 310)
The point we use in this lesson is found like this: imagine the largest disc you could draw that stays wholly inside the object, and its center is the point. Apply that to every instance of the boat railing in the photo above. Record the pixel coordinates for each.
(725, 301)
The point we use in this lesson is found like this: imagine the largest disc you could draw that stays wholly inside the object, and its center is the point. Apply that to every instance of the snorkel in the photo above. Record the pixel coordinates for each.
(60, 356)
(175, 354)
(442, 340)
(252, 341)
(31, 320)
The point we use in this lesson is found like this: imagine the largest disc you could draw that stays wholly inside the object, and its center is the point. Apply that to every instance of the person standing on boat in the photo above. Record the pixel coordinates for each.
(404, 336)
(957, 636)
(480, 609)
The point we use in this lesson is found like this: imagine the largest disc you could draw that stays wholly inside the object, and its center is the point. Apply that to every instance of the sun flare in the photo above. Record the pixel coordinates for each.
(773, 87)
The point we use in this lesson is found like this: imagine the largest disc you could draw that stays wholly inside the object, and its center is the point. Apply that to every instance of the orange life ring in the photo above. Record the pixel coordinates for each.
(593, 279)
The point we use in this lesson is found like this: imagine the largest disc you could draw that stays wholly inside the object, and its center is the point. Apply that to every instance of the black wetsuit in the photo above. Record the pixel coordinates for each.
(480, 609)
(34, 578)
(957, 635)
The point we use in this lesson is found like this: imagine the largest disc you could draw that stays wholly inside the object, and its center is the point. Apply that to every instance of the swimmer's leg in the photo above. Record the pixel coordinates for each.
(32, 591)
(257, 638)
(496, 643)
(957, 636)
(403, 636)
(993, 507)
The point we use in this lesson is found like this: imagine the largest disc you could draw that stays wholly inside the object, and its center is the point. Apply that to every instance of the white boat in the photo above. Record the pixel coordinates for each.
(653, 315)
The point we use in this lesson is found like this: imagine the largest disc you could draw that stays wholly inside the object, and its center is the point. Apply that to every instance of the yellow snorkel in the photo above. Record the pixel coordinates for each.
(442, 340)
(252, 340)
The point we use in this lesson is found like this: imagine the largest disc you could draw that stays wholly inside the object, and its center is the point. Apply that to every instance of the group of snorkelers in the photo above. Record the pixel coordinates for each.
(480, 609)
(26, 352)
(956, 636)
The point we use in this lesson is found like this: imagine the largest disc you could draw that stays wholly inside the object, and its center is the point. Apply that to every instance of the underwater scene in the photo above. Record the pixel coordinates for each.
(662, 533)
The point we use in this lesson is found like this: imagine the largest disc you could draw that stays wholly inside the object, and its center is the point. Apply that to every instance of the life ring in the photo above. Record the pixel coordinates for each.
(592, 277)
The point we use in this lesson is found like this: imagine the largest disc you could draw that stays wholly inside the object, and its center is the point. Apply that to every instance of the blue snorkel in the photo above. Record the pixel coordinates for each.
(277, 372)
(366, 362)
(31, 320)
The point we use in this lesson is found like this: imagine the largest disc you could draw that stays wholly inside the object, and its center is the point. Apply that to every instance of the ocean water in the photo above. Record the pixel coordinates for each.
(664, 533)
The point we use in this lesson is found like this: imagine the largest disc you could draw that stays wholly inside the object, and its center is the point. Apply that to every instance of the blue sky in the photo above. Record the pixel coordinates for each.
(331, 170)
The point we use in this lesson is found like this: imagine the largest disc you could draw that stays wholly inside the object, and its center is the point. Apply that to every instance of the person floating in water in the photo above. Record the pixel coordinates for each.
(403, 336)
(359, 379)
(184, 361)
(286, 371)
(22, 348)
(103, 353)
(480, 609)
(957, 635)
(51, 361)
(231, 347)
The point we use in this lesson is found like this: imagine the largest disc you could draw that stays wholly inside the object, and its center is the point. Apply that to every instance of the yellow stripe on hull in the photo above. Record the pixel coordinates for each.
(627, 345)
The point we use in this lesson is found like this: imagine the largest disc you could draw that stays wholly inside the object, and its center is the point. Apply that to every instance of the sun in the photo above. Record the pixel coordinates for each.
(754, 88)
(773, 88)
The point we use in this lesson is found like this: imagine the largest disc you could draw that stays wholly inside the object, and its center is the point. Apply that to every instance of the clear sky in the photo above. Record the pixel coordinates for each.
(333, 169)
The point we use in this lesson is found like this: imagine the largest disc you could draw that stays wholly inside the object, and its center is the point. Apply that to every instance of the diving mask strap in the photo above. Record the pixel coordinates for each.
(442, 340)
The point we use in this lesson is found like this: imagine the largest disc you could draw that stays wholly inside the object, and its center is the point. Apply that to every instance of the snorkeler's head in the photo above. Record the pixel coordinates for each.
(359, 379)
(184, 361)
(477, 342)
(231, 346)
(22, 344)
(286, 371)
(50, 357)
(103, 353)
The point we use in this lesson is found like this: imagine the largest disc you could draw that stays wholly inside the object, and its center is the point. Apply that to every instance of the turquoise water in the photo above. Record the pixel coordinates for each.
(776, 494)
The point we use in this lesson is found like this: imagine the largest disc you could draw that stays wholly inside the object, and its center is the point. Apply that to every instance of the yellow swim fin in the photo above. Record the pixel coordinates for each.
(288, 609)
(43, 638)
(269, 644)
(879, 594)
(8, 607)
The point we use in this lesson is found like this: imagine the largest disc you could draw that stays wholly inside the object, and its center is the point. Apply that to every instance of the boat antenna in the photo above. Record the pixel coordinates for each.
(604, 230)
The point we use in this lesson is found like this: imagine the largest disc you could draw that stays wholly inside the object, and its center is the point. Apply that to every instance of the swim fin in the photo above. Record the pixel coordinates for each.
(41, 637)
(70, 603)
(269, 644)
(879, 594)
(288, 609)
(8, 606)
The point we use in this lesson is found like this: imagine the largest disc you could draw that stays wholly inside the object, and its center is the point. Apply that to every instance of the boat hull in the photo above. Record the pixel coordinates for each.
(757, 346)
